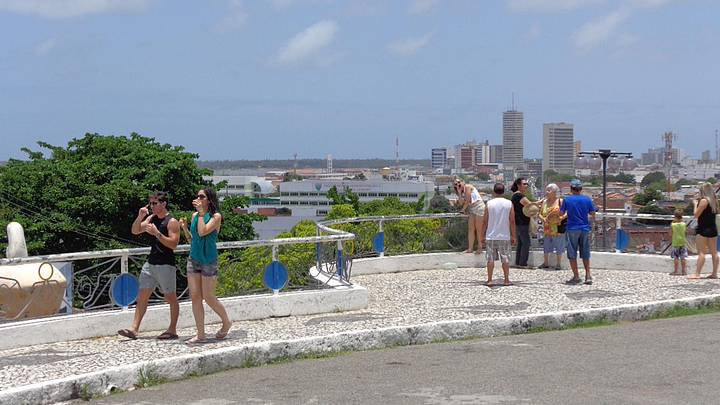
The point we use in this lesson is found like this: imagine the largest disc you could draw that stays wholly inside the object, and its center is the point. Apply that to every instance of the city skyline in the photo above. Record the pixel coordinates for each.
(266, 80)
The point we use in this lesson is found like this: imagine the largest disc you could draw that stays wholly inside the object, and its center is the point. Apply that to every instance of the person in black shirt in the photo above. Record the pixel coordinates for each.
(522, 222)
(159, 270)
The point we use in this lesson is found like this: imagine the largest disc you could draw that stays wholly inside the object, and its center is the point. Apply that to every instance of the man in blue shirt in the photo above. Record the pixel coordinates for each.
(578, 208)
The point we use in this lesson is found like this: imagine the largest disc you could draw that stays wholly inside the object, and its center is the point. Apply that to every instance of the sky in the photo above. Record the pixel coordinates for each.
(267, 79)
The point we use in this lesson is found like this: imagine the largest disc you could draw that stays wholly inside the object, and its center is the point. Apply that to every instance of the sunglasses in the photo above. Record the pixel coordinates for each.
(200, 197)
(154, 203)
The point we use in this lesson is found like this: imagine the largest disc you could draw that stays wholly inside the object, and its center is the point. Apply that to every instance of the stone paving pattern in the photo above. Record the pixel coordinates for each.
(396, 299)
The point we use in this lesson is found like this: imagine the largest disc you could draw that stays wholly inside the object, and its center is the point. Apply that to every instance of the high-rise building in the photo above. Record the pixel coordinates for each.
(559, 148)
(466, 156)
(512, 138)
(496, 153)
(438, 158)
(482, 153)
(578, 147)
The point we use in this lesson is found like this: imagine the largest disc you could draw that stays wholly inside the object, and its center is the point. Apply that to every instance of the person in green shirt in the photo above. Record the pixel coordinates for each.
(679, 252)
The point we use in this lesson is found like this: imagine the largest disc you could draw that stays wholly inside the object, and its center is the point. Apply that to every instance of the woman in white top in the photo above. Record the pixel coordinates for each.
(472, 204)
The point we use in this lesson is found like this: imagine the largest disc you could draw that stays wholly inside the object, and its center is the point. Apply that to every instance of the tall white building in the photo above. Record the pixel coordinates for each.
(512, 139)
(559, 148)
(439, 158)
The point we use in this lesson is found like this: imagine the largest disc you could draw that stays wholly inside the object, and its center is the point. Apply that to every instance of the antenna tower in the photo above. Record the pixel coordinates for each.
(397, 154)
(329, 167)
(295, 164)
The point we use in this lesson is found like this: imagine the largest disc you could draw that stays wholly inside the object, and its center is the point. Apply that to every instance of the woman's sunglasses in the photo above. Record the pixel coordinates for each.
(200, 197)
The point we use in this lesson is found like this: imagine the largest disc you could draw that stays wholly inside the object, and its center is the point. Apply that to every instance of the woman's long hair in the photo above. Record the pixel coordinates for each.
(213, 203)
(707, 192)
(516, 184)
(458, 182)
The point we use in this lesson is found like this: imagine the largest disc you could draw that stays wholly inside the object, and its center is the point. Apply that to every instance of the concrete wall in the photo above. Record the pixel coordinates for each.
(106, 323)
(451, 260)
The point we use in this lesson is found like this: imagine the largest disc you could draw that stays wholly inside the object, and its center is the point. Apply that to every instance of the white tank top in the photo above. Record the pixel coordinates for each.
(499, 219)
(474, 196)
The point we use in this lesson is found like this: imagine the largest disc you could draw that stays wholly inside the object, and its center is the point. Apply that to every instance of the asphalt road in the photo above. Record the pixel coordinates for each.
(672, 361)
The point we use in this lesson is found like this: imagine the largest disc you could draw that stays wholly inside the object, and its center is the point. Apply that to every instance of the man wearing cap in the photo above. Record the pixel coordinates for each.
(579, 209)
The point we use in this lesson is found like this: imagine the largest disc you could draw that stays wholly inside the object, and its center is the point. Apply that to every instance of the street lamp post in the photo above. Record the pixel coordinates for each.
(605, 154)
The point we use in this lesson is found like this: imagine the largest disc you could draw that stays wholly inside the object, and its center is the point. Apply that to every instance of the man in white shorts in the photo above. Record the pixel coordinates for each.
(498, 233)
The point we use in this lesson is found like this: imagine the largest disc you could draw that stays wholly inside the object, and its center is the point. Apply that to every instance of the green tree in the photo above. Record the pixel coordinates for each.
(712, 180)
(684, 182)
(648, 195)
(623, 178)
(86, 195)
(652, 177)
(440, 204)
(482, 176)
(346, 197)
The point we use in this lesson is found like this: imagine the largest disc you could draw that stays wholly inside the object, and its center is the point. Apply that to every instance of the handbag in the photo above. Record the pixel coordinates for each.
(563, 223)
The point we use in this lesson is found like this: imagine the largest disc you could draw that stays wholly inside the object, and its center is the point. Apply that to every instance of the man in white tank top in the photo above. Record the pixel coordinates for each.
(498, 233)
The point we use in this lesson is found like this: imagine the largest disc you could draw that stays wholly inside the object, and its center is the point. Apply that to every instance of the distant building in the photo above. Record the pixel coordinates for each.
(513, 138)
(578, 147)
(482, 153)
(559, 148)
(705, 156)
(496, 154)
(466, 155)
(247, 186)
(656, 156)
(439, 158)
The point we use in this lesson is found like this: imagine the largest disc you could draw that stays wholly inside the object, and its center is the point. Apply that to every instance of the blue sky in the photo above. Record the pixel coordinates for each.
(270, 78)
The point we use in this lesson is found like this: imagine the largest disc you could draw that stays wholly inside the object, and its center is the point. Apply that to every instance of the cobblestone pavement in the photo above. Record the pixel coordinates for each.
(395, 299)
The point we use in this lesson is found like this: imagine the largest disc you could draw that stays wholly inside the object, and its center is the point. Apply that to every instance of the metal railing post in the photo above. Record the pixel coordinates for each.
(618, 229)
(274, 259)
(124, 259)
(381, 225)
(340, 259)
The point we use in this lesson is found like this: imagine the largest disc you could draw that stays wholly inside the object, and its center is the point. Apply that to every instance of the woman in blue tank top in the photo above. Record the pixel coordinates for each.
(202, 265)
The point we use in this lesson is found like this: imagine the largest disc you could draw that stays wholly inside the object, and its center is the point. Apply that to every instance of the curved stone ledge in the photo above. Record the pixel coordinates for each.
(106, 323)
(452, 260)
(126, 377)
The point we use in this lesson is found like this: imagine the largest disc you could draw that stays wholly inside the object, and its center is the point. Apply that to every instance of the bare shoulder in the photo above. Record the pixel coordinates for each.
(217, 216)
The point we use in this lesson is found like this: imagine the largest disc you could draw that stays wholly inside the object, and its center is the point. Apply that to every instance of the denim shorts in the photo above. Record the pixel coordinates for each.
(578, 240)
(554, 244)
(207, 270)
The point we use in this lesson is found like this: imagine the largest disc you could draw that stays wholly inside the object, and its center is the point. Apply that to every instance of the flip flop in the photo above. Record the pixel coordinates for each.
(195, 341)
(127, 333)
(167, 336)
(711, 277)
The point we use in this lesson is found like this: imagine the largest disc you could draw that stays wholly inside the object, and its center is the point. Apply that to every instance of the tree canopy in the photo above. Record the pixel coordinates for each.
(86, 195)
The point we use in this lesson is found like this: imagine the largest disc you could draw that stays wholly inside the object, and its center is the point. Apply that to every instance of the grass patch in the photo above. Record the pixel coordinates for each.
(683, 310)
(147, 377)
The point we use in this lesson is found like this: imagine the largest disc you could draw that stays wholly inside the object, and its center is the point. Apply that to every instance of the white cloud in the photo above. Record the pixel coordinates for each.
(234, 20)
(422, 6)
(307, 43)
(70, 8)
(549, 5)
(45, 47)
(409, 46)
(600, 30)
